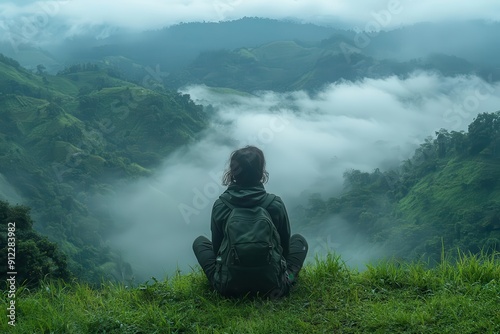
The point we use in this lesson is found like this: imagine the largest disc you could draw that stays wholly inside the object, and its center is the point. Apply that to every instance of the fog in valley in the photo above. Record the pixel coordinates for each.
(308, 141)
(310, 137)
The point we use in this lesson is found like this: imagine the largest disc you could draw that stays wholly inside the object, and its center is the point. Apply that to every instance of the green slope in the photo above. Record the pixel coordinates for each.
(458, 184)
(270, 66)
(446, 195)
(66, 138)
(457, 204)
(459, 297)
(293, 65)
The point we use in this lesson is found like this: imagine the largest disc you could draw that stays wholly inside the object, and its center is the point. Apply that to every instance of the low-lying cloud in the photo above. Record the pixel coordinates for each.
(79, 15)
(8, 192)
(308, 141)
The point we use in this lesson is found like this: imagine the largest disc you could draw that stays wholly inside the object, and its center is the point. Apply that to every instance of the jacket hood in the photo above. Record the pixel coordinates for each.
(245, 196)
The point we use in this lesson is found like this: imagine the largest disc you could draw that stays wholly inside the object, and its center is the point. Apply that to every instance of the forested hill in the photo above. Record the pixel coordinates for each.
(257, 54)
(292, 65)
(444, 198)
(67, 138)
(261, 54)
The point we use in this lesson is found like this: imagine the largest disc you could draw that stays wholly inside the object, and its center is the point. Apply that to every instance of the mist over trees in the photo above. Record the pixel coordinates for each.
(444, 198)
(83, 115)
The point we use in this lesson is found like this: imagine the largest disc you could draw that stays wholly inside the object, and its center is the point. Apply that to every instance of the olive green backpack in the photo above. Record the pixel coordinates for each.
(250, 261)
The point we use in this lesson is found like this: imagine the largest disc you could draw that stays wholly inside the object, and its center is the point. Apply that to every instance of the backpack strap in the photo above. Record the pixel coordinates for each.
(269, 199)
(226, 201)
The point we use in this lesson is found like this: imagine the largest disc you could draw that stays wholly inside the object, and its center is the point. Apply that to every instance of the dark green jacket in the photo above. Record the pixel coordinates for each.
(249, 197)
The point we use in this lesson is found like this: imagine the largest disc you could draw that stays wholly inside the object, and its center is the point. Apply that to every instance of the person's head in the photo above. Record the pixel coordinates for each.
(247, 167)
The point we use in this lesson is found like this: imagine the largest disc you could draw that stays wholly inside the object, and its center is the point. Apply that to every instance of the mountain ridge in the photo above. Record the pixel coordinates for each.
(67, 138)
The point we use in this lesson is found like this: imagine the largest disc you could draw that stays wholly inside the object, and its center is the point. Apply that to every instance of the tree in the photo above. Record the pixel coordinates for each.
(483, 131)
(443, 141)
(458, 141)
(354, 178)
(40, 69)
(36, 258)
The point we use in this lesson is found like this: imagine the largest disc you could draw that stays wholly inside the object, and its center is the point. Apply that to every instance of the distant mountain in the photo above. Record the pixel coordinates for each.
(176, 46)
(68, 138)
(289, 65)
(474, 41)
(30, 57)
(255, 53)
(302, 61)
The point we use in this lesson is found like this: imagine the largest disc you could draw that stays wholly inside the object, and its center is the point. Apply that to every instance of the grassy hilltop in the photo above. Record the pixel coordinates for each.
(388, 297)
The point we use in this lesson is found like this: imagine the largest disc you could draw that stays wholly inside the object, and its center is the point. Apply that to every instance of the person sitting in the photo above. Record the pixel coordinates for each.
(252, 251)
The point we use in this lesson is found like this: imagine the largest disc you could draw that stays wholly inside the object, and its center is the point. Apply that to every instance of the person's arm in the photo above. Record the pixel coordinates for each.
(283, 228)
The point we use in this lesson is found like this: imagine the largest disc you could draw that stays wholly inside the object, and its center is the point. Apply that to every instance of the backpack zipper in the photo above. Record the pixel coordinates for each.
(235, 255)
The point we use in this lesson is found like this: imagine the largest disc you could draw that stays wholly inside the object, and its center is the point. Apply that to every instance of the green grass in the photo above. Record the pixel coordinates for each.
(458, 202)
(446, 188)
(276, 50)
(228, 91)
(388, 297)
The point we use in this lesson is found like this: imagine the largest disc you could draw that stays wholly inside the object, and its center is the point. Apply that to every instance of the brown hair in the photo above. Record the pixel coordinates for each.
(247, 167)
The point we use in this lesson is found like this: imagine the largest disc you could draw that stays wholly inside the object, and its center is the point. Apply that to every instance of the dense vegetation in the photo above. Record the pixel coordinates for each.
(261, 54)
(447, 194)
(36, 258)
(292, 65)
(287, 65)
(65, 140)
(389, 297)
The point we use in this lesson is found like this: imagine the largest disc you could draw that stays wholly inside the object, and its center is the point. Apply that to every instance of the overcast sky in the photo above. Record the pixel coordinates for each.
(150, 14)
